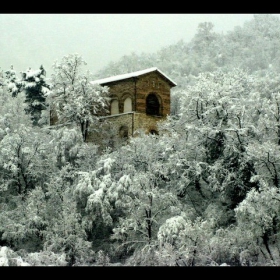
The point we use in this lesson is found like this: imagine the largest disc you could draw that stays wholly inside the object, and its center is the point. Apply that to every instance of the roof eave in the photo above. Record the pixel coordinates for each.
(136, 74)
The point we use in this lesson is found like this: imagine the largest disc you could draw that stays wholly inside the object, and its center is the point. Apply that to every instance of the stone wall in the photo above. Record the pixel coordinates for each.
(109, 130)
(146, 123)
(111, 125)
(138, 89)
(153, 83)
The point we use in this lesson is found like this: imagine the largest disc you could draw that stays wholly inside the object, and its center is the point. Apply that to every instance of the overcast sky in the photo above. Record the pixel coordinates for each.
(31, 40)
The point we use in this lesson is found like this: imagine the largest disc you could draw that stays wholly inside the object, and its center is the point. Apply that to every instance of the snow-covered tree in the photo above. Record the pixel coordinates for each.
(36, 90)
(74, 98)
(259, 213)
(12, 82)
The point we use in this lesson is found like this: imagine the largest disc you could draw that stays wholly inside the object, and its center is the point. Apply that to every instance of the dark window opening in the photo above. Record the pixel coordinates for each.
(123, 132)
(153, 132)
(152, 105)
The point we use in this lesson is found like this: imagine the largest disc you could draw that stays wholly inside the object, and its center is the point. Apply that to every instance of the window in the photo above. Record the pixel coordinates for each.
(152, 105)
(123, 132)
(114, 107)
(153, 132)
(127, 105)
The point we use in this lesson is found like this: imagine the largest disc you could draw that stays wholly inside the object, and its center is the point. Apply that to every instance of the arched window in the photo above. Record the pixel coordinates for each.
(114, 107)
(153, 132)
(123, 132)
(152, 105)
(127, 107)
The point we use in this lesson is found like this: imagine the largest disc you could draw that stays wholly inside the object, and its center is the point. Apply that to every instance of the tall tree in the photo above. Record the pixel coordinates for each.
(74, 98)
(36, 89)
(12, 82)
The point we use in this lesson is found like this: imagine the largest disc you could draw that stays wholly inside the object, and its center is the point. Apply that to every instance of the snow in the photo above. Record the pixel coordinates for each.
(4, 261)
(131, 75)
(32, 73)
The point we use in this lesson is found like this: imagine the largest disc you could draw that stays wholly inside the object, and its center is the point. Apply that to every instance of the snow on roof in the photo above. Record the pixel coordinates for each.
(131, 75)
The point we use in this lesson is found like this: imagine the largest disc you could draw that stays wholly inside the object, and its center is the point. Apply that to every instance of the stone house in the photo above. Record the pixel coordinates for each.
(139, 100)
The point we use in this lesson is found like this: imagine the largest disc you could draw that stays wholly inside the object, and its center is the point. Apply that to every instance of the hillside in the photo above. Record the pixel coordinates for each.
(205, 193)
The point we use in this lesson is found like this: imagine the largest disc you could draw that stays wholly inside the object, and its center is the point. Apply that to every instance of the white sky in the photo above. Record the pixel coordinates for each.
(29, 40)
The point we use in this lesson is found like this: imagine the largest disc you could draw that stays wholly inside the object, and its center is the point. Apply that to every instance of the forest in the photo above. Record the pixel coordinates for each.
(205, 193)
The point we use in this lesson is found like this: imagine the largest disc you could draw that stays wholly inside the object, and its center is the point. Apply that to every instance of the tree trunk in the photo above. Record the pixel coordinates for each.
(84, 129)
(265, 241)
(149, 225)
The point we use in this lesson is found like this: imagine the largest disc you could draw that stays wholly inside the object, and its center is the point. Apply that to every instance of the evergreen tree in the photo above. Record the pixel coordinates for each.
(12, 82)
(35, 88)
